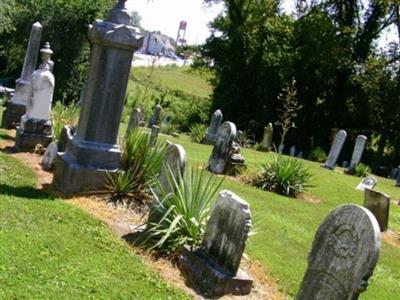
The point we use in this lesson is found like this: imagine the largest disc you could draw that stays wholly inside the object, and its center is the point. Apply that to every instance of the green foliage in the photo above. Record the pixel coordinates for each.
(64, 115)
(284, 175)
(197, 132)
(184, 212)
(362, 170)
(317, 154)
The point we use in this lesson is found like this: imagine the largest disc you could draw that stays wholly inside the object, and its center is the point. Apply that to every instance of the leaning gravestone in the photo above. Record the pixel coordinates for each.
(93, 152)
(369, 182)
(134, 120)
(155, 119)
(49, 157)
(358, 151)
(214, 267)
(16, 107)
(344, 254)
(267, 138)
(221, 152)
(336, 148)
(154, 135)
(212, 131)
(379, 204)
(36, 125)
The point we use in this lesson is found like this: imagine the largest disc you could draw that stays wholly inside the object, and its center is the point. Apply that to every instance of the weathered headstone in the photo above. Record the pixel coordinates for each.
(49, 157)
(212, 131)
(155, 119)
(35, 123)
(358, 151)
(66, 135)
(154, 134)
(93, 151)
(222, 149)
(134, 120)
(344, 254)
(292, 151)
(281, 148)
(379, 204)
(16, 107)
(369, 182)
(398, 177)
(267, 138)
(174, 164)
(336, 148)
(345, 164)
(393, 173)
(214, 268)
(300, 154)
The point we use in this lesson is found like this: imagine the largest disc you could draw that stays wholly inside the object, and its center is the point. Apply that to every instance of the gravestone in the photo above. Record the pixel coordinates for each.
(49, 157)
(16, 107)
(358, 151)
(281, 148)
(369, 182)
(267, 138)
(154, 134)
(393, 173)
(398, 177)
(212, 131)
(214, 267)
(344, 254)
(35, 123)
(379, 204)
(221, 152)
(134, 120)
(336, 148)
(155, 119)
(66, 135)
(93, 151)
(300, 154)
(174, 163)
(345, 164)
(292, 151)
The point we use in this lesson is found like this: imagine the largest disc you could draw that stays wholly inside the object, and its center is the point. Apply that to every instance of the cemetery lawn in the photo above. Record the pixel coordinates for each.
(52, 250)
(285, 227)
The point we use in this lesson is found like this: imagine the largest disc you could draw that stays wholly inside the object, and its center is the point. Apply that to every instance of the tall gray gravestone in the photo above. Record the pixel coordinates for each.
(358, 151)
(93, 151)
(292, 151)
(344, 254)
(16, 107)
(336, 148)
(267, 138)
(212, 130)
(36, 125)
(281, 148)
(221, 152)
(154, 134)
(398, 177)
(134, 120)
(214, 268)
(155, 119)
(379, 204)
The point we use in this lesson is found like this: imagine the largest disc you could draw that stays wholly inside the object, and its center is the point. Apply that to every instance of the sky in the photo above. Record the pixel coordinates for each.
(165, 15)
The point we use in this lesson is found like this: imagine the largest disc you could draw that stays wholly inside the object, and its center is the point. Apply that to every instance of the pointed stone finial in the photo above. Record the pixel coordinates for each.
(46, 52)
(119, 14)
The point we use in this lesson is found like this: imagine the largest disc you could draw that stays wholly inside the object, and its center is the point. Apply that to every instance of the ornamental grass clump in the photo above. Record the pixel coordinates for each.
(361, 170)
(284, 175)
(197, 132)
(183, 213)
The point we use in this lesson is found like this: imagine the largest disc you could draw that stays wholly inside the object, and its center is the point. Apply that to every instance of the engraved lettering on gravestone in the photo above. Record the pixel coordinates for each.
(369, 182)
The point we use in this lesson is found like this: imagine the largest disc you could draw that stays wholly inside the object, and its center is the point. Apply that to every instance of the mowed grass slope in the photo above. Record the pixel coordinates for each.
(53, 250)
(286, 227)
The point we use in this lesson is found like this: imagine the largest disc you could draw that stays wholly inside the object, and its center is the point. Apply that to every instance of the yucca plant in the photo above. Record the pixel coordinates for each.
(362, 170)
(284, 175)
(197, 132)
(183, 213)
(317, 154)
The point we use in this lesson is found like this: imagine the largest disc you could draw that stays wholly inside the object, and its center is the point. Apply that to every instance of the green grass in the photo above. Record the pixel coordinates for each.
(174, 78)
(286, 227)
(53, 250)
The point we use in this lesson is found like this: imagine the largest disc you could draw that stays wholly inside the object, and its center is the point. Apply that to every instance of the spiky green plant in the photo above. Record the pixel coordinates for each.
(197, 132)
(317, 154)
(184, 212)
(284, 175)
(362, 170)
(64, 115)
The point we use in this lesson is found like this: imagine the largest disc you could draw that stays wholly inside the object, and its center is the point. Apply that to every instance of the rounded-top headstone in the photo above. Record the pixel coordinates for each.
(173, 165)
(344, 254)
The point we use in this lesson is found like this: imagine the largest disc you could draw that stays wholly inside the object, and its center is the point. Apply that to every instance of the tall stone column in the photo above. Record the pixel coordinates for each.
(17, 105)
(93, 150)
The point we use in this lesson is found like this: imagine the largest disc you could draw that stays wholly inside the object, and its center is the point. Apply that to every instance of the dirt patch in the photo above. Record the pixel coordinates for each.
(392, 238)
(309, 198)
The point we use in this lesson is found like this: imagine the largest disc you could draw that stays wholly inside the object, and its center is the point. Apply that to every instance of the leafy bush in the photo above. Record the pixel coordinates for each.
(318, 154)
(362, 170)
(64, 115)
(197, 132)
(184, 212)
(283, 175)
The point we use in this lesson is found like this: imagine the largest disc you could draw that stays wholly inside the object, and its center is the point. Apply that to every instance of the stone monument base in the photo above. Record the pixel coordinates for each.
(199, 271)
(72, 178)
(27, 141)
(12, 115)
(327, 167)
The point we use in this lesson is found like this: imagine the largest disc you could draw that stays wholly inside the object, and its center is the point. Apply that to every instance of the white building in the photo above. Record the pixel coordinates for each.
(155, 43)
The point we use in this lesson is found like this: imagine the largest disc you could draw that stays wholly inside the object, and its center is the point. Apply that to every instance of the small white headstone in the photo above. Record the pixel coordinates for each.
(369, 182)
(47, 162)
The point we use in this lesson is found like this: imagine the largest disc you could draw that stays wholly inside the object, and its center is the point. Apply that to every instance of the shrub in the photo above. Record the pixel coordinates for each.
(64, 115)
(318, 154)
(283, 175)
(184, 212)
(362, 170)
(197, 132)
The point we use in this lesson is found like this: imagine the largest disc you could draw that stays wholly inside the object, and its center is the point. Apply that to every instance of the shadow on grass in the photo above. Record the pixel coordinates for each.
(8, 150)
(27, 192)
